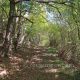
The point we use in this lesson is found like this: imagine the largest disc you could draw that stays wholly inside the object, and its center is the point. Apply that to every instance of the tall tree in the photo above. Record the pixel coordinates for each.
(9, 29)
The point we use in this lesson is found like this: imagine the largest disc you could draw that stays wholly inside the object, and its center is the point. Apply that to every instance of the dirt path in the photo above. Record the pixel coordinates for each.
(34, 64)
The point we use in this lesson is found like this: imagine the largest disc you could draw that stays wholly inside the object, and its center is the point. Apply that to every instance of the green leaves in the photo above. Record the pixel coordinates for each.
(52, 50)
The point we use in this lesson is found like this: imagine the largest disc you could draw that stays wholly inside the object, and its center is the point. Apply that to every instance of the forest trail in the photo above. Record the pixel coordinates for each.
(34, 64)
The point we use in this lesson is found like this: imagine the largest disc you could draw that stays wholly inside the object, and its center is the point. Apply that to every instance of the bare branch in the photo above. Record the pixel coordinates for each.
(51, 1)
(25, 18)
(56, 9)
(41, 1)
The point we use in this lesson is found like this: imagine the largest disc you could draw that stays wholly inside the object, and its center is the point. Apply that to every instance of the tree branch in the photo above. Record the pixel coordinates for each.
(25, 18)
(56, 9)
(41, 1)
(50, 1)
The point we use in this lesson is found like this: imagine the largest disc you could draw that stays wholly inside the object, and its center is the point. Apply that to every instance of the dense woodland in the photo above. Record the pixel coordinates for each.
(39, 39)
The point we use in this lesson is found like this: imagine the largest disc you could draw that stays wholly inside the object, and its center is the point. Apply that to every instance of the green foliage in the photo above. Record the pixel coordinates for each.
(77, 75)
(52, 50)
(64, 76)
(57, 23)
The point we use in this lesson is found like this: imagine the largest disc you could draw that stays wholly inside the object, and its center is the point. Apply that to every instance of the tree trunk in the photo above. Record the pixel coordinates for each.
(9, 29)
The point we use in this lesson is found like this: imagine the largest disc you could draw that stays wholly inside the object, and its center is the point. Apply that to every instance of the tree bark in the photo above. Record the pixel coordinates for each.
(9, 29)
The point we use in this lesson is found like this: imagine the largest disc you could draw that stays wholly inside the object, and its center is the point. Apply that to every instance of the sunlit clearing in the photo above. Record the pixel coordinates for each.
(46, 54)
(35, 58)
(16, 59)
(52, 70)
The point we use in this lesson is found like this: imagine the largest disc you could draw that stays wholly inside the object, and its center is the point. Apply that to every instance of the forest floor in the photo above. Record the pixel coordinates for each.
(35, 64)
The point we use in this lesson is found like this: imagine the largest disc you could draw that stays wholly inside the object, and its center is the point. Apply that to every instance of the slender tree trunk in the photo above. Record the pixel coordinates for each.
(7, 40)
(15, 42)
(78, 33)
